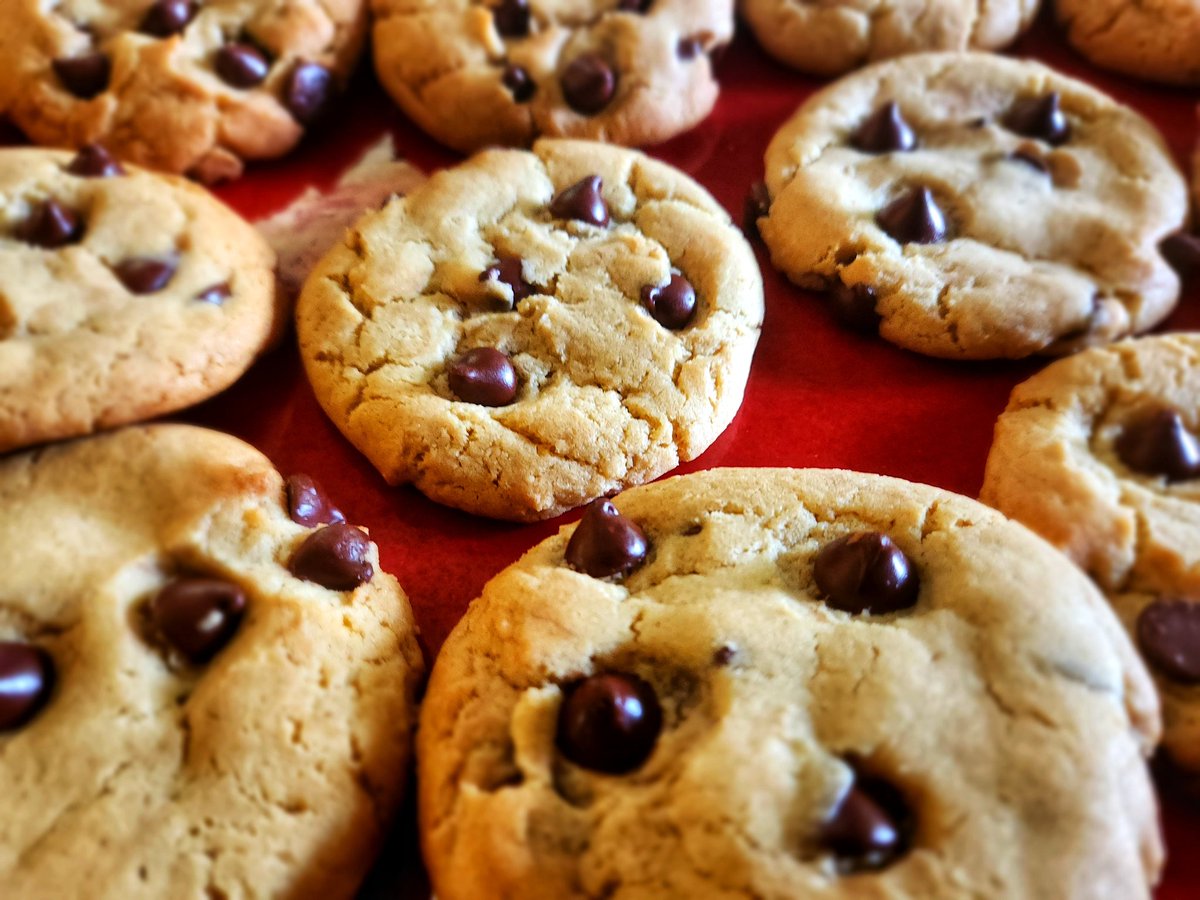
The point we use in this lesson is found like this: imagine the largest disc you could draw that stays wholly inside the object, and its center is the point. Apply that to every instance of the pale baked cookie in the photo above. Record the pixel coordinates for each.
(202, 694)
(528, 331)
(478, 72)
(972, 206)
(773, 683)
(186, 86)
(123, 294)
(1158, 40)
(829, 37)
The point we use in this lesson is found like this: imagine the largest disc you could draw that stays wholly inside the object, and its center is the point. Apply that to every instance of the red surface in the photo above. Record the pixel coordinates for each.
(817, 396)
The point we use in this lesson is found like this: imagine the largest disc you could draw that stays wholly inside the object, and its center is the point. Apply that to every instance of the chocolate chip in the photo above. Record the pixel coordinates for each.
(606, 543)
(26, 680)
(307, 92)
(84, 76)
(518, 80)
(93, 161)
(198, 616)
(512, 17)
(1157, 442)
(756, 206)
(308, 505)
(868, 829)
(724, 655)
(885, 131)
(609, 723)
(50, 225)
(242, 65)
(1039, 117)
(1182, 252)
(914, 218)
(637, 6)
(167, 17)
(507, 270)
(589, 84)
(582, 201)
(866, 572)
(854, 307)
(1033, 160)
(689, 48)
(145, 274)
(216, 295)
(335, 557)
(484, 376)
(672, 305)
(1168, 634)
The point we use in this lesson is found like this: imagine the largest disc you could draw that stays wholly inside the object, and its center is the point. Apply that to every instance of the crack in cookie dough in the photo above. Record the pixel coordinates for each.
(1158, 40)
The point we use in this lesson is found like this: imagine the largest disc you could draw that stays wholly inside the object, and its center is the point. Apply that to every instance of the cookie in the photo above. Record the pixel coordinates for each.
(181, 86)
(1159, 41)
(530, 330)
(475, 74)
(775, 683)
(208, 684)
(971, 206)
(829, 37)
(125, 294)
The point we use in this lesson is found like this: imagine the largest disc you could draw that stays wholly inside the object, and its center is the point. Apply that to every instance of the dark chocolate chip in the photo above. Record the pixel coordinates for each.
(308, 505)
(198, 616)
(51, 225)
(885, 131)
(866, 572)
(26, 680)
(484, 376)
(672, 305)
(756, 206)
(216, 295)
(609, 723)
(689, 48)
(335, 557)
(914, 218)
(1182, 252)
(589, 83)
(1157, 442)
(606, 543)
(1168, 634)
(307, 92)
(84, 76)
(582, 201)
(93, 161)
(724, 655)
(637, 6)
(1039, 117)
(167, 17)
(146, 274)
(507, 270)
(512, 17)
(854, 307)
(1032, 160)
(867, 830)
(242, 65)
(518, 80)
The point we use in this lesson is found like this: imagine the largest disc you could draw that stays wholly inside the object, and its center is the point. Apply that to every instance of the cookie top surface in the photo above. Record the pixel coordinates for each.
(272, 768)
(829, 37)
(998, 209)
(184, 87)
(999, 735)
(126, 294)
(475, 74)
(1159, 41)
(410, 340)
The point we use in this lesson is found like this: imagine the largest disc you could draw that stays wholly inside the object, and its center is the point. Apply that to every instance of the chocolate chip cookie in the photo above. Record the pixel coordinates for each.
(1159, 41)
(475, 74)
(206, 684)
(123, 294)
(1100, 454)
(185, 86)
(829, 37)
(970, 206)
(531, 330)
(777, 683)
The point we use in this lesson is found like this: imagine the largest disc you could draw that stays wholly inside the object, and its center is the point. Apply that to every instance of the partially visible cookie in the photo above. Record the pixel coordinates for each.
(528, 331)
(474, 74)
(1159, 40)
(123, 294)
(972, 206)
(208, 685)
(773, 683)
(177, 85)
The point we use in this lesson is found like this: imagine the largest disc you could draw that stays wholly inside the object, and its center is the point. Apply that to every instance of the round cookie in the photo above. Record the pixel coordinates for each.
(123, 295)
(531, 330)
(1159, 41)
(781, 683)
(197, 716)
(971, 206)
(829, 37)
(474, 74)
(185, 87)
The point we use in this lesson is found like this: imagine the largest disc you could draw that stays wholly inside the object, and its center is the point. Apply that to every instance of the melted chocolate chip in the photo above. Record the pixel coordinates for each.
(335, 557)
(1182, 252)
(51, 225)
(507, 270)
(606, 543)
(145, 274)
(518, 80)
(1168, 634)
(689, 48)
(914, 218)
(1039, 117)
(512, 17)
(26, 680)
(756, 206)
(216, 295)
(84, 76)
(636, 6)
(589, 83)
(307, 92)
(672, 305)
(1157, 443)
(198, 616)
(242, 65)
(866, 572)
(582, 201)
(885, 131)
(869, 827)
(167, 17)
(308, 505)
(854, 307)
(93, 161)
(485, 376)
(609, 723)
(1033, 160)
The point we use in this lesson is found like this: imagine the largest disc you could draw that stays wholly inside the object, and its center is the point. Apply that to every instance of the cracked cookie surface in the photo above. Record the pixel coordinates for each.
(599, 393)
(475, 74)
(1155, 39)
(1013, 729)
(1001, 210)
(272, 768)
(123, 295)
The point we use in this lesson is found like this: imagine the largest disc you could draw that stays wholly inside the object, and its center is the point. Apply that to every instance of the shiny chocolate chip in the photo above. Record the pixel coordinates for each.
(146, 274)
(51, 225)
(93, 161)
(582, 201)
(854, 307)
(605, 543)
(869, 827)
(1156, 442)
(307, 92)
(198, 616)
(167, 17)
(1039, 117)
(507, 270)
(914, 218)
(589, 83)
(84, 76)
(866, 572)
(242, 65)
(1168, 634)
(636, 6)
(671, 305)
(885, 131)
(216, 295)
(689, 48)
(485, 376)
(1182, 252)
(520, 83)
(609, 723)
(26, 680)
(308, 505)
(757, 205)
(512, 17)
(335, 557)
